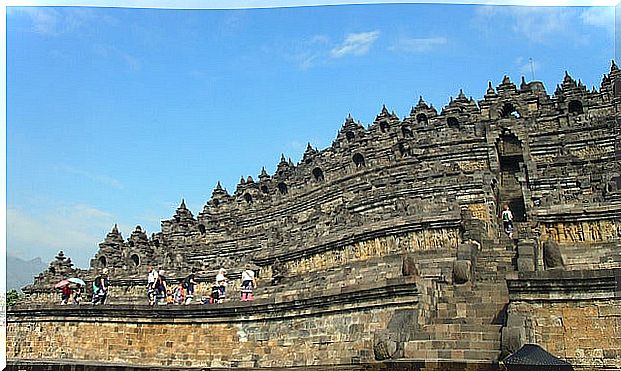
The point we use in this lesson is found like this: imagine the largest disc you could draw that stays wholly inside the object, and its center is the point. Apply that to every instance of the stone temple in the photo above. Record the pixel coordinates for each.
(384, 250)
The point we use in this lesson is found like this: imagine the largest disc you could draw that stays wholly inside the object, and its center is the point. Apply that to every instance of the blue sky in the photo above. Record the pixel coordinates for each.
(114, 115)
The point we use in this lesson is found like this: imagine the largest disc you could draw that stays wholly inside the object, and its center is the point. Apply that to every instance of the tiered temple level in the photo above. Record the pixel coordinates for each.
(410, 203)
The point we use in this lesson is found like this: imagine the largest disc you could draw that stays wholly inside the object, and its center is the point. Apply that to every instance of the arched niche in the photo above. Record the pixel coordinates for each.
(452, 122)
(282, 188)
(264, 189)
(575, 107)
(509, 110)
(407, 133)
(358, 160)
(135, 259)
(384, 127)
(102, 261)
(350, 135)
(248, 197)
(202, 229)
(422, 119)
(318, 174)
(215, 202)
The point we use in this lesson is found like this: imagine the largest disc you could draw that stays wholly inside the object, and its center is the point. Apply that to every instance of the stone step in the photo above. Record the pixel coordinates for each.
(412, 352)
(454, 344)
(483, 300)
(431, 333)
(470, 320)
(464, 328)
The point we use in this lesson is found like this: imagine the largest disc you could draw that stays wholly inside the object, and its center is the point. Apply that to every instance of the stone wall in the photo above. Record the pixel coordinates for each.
(328, 330)
(573, 315)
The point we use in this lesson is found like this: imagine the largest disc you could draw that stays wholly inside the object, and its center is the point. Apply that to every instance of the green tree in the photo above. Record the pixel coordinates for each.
(11, 298)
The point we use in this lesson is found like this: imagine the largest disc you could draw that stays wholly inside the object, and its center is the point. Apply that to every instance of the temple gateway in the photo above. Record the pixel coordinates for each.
(384, 250)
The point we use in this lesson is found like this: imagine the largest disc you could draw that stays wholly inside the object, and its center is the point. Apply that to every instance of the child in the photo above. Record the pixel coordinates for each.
(179, 293)
(215, 294)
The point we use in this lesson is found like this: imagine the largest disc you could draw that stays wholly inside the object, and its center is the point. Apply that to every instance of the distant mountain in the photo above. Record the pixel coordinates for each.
(20, 273)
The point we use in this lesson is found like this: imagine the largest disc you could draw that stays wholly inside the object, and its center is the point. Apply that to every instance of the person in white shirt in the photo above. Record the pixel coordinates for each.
(507, 220)
(248, 284)
(221, 282)
(151, 280)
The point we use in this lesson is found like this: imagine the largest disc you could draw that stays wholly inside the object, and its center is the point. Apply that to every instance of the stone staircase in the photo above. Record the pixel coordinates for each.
(495, 264)
(466, 326)
(465, 321)
(456, 323)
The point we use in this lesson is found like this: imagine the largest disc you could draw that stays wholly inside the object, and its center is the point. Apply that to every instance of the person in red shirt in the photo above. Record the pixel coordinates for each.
(65, 294)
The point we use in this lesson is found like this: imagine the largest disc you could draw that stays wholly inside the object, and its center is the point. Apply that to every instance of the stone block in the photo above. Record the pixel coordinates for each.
(461, 271)
(526, 250)
(526, 264)
(552, 256)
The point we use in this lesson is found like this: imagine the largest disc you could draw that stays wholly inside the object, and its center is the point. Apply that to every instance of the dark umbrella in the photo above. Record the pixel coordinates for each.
(534, 357)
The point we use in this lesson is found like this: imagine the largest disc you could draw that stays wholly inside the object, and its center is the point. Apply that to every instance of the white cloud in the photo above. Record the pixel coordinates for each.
(114, 53)
(54, 21)
(307, 60)
(132, 62)
(97, 178)
(417, 45)
(75, 229)
(44, 20)
(310, 52)
(543, 25)
(319, 39)
(355, 44)
(603, 17)
(527, 67)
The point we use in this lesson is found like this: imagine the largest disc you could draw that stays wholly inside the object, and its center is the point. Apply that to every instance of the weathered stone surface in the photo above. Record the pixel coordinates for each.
(461, 271)
(402, 198)
(408, 268)
(383, 346)
(552, 256)
(512, 339)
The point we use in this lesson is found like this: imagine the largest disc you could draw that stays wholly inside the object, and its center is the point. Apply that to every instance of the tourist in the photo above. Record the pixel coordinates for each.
(160, 287)
(151, 280)
(65, 294)
(179, 293)
(100, 287)
(221, 282)
(77, 295)
(248, 284)
(507, 220)
(188, 284)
